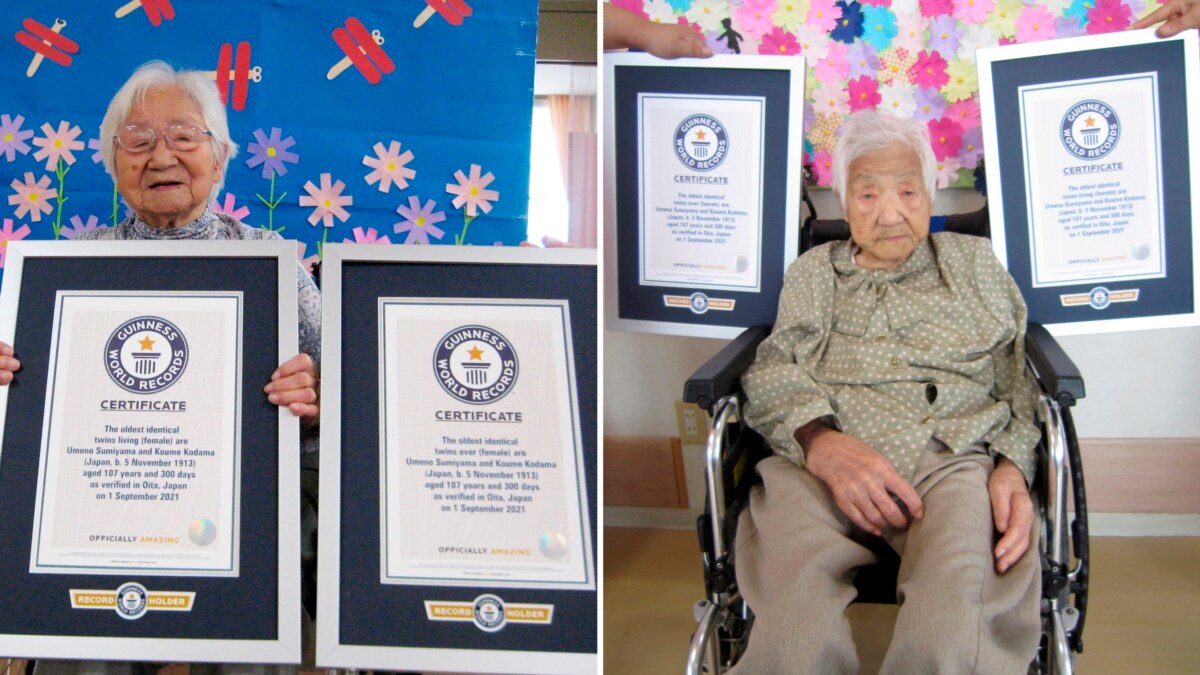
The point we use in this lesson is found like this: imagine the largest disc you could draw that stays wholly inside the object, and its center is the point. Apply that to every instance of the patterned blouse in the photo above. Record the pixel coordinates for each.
(212, 225)
(932, 349)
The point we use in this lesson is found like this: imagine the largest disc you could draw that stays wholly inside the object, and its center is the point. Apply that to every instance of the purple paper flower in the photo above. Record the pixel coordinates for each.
(78, 226)
(419, 221)
(7, 234)
(930, 105)
(271, 152)
(98, 154)
(972, 147)
(944, 34)
(12, 137)
(863, 60)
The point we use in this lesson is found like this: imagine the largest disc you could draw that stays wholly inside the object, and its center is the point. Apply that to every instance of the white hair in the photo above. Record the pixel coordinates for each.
(867, 131)
(195, 85)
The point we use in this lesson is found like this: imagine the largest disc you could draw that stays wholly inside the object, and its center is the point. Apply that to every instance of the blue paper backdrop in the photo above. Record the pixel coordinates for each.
(459, 97)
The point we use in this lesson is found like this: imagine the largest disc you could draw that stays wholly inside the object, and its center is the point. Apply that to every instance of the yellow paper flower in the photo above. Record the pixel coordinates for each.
(963, 80)
(1003, 19)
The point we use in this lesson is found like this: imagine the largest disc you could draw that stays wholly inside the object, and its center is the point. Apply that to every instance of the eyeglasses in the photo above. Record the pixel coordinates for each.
(182, 137)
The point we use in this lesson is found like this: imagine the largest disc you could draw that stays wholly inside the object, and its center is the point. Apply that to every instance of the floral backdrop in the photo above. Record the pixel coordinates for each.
(911, 58)
(357, 121)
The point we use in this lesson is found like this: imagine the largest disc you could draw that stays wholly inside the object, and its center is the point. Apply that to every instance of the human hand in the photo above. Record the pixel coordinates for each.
(672, 40)
(8, 363)
(1176, 16)
(295, 384)
(862, 480)
(1012, 511)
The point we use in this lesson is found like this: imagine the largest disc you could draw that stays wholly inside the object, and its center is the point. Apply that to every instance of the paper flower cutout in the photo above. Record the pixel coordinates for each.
(230, 208)
(944, 34)
(708, 14)
(972, 11)
(1035, 23)
(965, 113)
(58, 144)
(929, 70)
(898, 98)
(390, 167)
(961, 80)
(271, 152)
(93, 144)
(850, 27)
(78, 226)
(879, 27)
(822, 167)
(946, 138)
(864, 93)
(778, 42)
(420, 221)
(308, 262)
(930, 105)
(368, 237)
(896, 65)
(753, 18)
(975, 38)
(910, 32)
(947, 172)
(814, 44)
(7, 234)
(660, 11)
(863, 60)
(328, 200)
(790, 14)
(935, 8)
(1108, 16)
(1003, 19)
(13, 137)
(470, 191)
(823, 14)
(1068, 26)
(972, 147)
(832, 69)
(32, 197)
(831, 100)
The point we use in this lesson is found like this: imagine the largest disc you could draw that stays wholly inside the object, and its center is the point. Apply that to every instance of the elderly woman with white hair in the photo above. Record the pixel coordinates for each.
(167, 146)
(894, 394)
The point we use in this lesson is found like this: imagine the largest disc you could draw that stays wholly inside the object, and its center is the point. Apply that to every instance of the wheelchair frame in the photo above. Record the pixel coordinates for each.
(724, 620)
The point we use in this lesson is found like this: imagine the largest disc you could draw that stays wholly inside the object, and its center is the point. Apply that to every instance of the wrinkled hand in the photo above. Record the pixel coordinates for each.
(1012, 510)
(671, 41)
(859, 477)
(295, 384)
(8, 363)
(1176, 16)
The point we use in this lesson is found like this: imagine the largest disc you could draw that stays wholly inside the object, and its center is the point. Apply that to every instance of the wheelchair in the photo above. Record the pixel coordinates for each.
(723, 617)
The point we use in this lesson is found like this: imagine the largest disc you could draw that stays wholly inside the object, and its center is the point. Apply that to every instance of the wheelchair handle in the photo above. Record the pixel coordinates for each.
(726, 408)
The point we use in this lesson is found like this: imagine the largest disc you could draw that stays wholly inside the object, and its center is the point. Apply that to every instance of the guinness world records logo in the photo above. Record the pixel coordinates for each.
(1090, 129)
(489, 613)
(475, 364)
(145, 355)
(701, 143)
(132, 601)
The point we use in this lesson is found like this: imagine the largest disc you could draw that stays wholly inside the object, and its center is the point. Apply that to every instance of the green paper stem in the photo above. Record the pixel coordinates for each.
(461, 238)
(60, 171)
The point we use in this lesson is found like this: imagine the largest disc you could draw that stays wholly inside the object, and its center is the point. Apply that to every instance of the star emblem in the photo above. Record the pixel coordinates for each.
(700, 134)
(146, 343)
(476, 353)
(1090, 121)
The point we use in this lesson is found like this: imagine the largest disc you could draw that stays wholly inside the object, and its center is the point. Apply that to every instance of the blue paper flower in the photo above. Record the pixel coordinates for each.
(879, 26)
(850, 26)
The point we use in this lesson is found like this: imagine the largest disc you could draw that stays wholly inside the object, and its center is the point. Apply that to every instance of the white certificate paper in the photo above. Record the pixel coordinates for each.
(140, 437)
(481, 455)
(701, 166)
(1093, 176)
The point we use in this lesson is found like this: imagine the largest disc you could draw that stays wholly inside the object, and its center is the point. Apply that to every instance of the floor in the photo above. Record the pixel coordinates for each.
(1143, 616)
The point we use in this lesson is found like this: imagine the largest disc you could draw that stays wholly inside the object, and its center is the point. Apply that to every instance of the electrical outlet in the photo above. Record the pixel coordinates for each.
(692, 423)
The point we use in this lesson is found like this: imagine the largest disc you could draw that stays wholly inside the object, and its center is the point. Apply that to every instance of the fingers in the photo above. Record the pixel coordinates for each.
(1185, 20)
(1015, 541)
(297, 364)
(1161, 14)
(1000, 507)
(5, 349)
(295, 384)
(8, 364)
(906, 494)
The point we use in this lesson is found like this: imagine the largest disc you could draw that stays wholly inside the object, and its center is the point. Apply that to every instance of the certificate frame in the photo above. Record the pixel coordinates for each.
(352, 593)
(39, 620)
(1013, 80)
(648, 297)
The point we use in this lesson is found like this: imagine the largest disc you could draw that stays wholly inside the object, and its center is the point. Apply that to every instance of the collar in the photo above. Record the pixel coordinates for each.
(860, 291)
(200, 228)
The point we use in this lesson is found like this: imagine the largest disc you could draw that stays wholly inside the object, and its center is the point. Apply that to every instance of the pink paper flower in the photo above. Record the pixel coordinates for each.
(1034, 23)
(753, 19)
(973, 11)
(419, 221)
(13, 137)
(779, 41)
(230, 207)
(470, 191)
(935, 8)
(7, 234)
(823, 14)
(32, 197)
(308, 262)
(328, 200)
(368, 237)
(947, 172)
(823, 168)
(929, 71)
(965, 113)
(833, 68)
(946, 138)
(390, 166)
(1108, 16)
(831, 100)
(864, 93)
(78, 226)
(56, 145)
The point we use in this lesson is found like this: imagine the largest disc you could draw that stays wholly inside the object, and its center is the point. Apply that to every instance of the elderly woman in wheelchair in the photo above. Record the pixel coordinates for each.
(894, 394)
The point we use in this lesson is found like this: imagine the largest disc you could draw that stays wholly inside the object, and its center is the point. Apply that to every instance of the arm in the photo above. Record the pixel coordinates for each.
(1176, 16)
(297, 382)
(625, 30)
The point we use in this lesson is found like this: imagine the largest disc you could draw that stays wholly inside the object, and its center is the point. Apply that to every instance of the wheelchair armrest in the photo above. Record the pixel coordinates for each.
(1055, 371)
(719, 376)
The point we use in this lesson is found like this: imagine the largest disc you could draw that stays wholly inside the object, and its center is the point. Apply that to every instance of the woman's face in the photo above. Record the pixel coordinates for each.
(164, 186)
(887, 206)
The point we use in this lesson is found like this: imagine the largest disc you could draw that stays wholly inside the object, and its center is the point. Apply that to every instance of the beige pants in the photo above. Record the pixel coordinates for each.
(797, 555)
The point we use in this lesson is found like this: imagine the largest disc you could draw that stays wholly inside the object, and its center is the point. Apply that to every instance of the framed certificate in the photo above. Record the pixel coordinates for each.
(704, 169)
(465, 398)
(1096, 186)
(130, 437)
